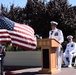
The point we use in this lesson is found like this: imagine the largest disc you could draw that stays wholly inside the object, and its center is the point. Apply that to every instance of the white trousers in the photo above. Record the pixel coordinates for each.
(67, 55)
(59, 60)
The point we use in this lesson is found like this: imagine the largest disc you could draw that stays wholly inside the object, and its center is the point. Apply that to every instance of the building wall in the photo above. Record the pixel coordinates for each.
(23, 58)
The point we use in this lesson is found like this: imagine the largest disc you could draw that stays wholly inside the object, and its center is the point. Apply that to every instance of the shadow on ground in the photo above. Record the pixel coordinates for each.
(34, 71)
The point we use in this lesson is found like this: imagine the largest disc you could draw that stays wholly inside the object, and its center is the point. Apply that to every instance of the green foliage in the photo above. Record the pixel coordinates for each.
(10, 47)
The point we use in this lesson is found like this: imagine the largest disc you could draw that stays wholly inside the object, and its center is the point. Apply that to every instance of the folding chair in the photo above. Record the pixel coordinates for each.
(75, 59)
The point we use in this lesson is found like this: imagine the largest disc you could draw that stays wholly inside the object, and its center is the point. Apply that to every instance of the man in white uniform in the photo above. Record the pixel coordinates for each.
(69, 51)
(58, 35)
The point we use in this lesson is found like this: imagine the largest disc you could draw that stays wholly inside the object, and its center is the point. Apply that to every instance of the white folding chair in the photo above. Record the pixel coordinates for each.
(75, 59)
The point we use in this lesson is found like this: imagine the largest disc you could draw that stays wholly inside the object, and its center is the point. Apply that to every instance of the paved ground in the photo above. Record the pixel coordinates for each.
(34, 71)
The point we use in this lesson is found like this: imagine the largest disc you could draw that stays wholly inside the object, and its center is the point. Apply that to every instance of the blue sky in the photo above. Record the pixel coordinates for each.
(7, 3)
(73, 2)
(22, 3)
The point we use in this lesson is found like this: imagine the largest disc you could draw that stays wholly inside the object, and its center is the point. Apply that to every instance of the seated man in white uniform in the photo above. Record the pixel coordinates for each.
(69, 51)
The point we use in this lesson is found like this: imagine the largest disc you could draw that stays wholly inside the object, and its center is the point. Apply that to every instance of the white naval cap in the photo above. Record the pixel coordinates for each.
(69, 37)
(53, 22)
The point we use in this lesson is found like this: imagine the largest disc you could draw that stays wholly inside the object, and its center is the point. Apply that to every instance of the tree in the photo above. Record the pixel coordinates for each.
(38, 16)
(58, 10)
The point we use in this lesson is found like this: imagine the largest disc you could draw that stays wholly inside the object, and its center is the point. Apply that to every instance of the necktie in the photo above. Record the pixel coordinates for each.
(52, 32)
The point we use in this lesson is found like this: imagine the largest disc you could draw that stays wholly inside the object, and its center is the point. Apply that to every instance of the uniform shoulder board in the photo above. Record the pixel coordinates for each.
(3, 47)
(0, 46)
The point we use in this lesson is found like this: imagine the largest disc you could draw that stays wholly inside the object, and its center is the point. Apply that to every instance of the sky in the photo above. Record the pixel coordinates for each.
(73, 2)
(22, 3)
(7, 3)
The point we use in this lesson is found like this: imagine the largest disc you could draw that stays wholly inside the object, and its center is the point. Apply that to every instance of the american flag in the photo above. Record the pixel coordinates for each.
(18, 34)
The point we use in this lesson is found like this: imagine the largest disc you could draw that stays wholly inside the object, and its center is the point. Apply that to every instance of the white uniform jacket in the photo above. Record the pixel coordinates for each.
(70, 48)
(56, 34)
